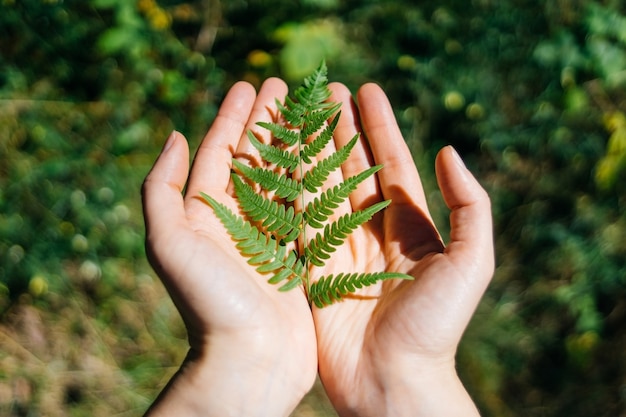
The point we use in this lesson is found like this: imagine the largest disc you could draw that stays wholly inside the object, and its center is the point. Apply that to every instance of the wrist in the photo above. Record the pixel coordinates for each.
(408, 389)
(233, 379)
(429, 391)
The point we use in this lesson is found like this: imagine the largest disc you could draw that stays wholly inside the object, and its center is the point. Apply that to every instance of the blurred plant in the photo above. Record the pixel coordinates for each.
(525, 94)
(305, 44)
(531, 94)
(612, 167)
(88, 91)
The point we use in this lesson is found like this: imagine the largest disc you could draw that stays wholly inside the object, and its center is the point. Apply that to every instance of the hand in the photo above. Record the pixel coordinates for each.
(252, 348)
(391, 351)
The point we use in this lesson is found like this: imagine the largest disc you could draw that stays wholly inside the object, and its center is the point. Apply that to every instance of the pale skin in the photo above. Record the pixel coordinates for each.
(256, 351)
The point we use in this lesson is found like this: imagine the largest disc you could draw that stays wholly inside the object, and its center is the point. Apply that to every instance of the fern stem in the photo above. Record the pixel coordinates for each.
(307, 279)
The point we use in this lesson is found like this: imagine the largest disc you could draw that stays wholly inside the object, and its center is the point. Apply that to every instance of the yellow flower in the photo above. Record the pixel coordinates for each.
(146, 6)
(259, 59)
(159, 19)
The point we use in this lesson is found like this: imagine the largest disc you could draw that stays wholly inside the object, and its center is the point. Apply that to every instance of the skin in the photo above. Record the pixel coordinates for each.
(252, 348)
(256, 351)
(394, 355)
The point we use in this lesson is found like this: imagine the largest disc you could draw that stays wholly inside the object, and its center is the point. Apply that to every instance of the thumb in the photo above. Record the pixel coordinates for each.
(162, 197)
(471, 236)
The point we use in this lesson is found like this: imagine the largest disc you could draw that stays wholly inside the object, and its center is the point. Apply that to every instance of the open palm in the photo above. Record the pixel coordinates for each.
(224, 302)
(416, 324)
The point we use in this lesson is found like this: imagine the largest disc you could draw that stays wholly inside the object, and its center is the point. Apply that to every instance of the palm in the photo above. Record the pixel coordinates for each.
(215, 290)
(424, 317)
(235, 287)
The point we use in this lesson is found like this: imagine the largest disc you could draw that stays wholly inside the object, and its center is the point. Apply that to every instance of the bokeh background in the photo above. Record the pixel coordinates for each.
(532, 94)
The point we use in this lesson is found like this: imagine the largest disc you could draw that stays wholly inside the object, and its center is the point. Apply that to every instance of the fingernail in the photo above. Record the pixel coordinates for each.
(457, 158)
(170, 140)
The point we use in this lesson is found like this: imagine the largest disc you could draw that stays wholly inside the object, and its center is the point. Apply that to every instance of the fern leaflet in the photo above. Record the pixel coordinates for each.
(275, 155)
(319, 173)
(287, 136)
(329, 289)
(321, 207)
(262, 250)
(323, 244)
(313, 148)
(316, 120)
(284, 222)
(285, 187)
(314, 92)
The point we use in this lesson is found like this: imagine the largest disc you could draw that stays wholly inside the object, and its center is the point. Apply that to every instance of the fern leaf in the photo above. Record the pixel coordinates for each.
(292, 270)
(285, 187)
(284, 222)
(316, 119)
(287, 136)
(263, 251)
(317, 144)
(311, 107)
(334, 288)
(294, 113)
(314, 91)
(288, 268)
(250, 241)
(272, 154)
(320, 247)
(315, 178)
(318, 210)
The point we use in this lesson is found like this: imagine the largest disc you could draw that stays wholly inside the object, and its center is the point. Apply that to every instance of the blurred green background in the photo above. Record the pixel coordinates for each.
(532, 94)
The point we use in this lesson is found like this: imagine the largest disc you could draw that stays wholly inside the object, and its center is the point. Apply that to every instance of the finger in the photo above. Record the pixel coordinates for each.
(162, 198)
(399, 179)
(360, 158)
(471, 239)
(212, 163)
(263, 110)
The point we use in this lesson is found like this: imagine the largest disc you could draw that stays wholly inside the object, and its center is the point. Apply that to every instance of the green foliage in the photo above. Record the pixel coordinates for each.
(612, 166)
(305, 45)
(81, 124)
(531, 93)
(275, 223)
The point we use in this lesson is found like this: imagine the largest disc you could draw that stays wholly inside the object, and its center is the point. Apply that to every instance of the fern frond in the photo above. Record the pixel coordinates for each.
(263, 251)
(285, 187)
(316, 145)
(284, 222)
(272, 154)
(318, 210)
(334, 288)
(320, 247)
(287, 136)
(266, 226)
(315, 177)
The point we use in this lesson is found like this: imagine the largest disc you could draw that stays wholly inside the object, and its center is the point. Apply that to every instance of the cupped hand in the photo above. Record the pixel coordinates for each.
(252, 348)
(390, 349)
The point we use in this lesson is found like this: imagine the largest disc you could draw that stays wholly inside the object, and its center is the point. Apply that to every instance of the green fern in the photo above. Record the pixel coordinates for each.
(267, 225)
(333, 288)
